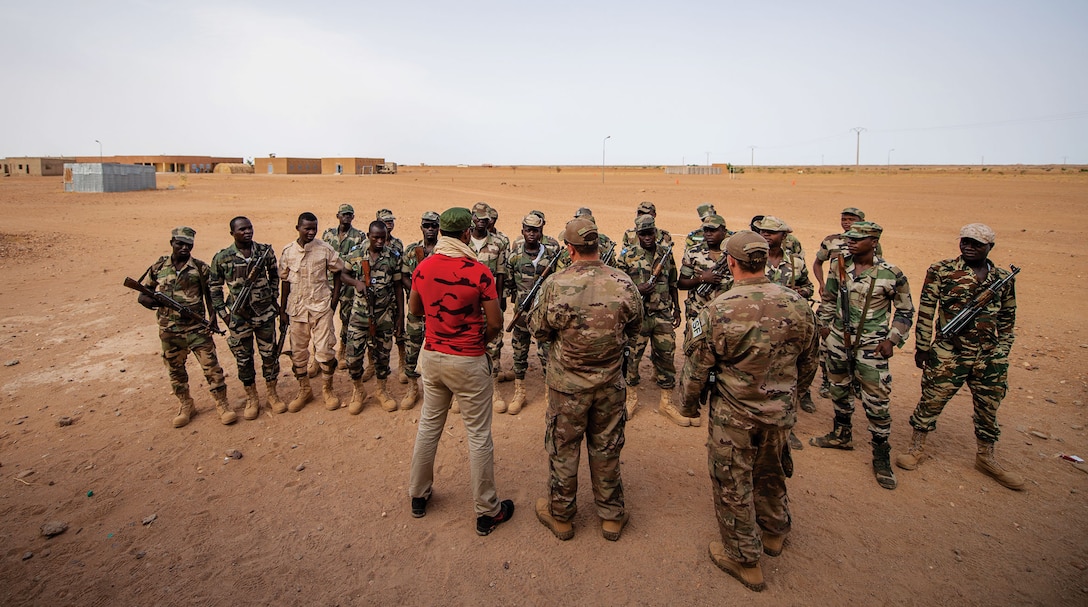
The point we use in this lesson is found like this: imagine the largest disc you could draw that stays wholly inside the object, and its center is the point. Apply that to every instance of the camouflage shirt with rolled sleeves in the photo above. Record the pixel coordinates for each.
(415, 253)
(630, 237)
(589, 313)
(503, 238)
(950, 287)
(385, 273)
(890, 303)
(604, 245)
(834, 244)
(523, 269)
(307, 268)
(185, 286)
(791, 273)
(638, 263)
(345, 246)
(544, 238)
(760, 340)
(491, 253)
(230, 269)
(695, 261)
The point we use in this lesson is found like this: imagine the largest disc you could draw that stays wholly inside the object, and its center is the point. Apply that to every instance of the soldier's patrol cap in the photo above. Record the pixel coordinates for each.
(346, 208)
(430, 216)
(978, 231)
(773, 224)
(713, 221)
(455, 219)
(705, 209)
(745, 244)
(864, 229)
(646, 207)
(481, 210)
(493, 213)
(183, 234)
(583, 212)
(644, 222)
(532, 220)
(856, 212)
(580, 231)
(384, 215)
(539, 214)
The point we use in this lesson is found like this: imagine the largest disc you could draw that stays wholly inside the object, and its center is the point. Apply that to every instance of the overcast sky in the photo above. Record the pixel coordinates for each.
(511, 82)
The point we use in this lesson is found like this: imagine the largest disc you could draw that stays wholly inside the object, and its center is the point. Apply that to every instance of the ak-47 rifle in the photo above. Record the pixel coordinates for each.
(719, 270)
(843, 302)
(166, 301)
(607, 257)
(247, 287)
(368, 293)
(960, 321)
(659, 265)
(527, 303)
(283, 333)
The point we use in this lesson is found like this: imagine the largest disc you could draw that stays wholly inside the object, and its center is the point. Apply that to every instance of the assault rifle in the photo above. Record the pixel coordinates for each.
(247, 286)
(960, 321)
(368, 293)
(607, 257)
(659, 265)
(719, 270)
(527, 303)
(166, 301)
(843, 302)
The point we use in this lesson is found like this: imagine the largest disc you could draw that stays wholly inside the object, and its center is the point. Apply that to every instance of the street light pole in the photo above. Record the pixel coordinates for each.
(890, 156)
(604, 144)
(753, 148)
(99, 150)
(857, 152)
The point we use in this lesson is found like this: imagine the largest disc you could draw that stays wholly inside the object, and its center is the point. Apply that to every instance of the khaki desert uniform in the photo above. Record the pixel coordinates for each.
(309, 304)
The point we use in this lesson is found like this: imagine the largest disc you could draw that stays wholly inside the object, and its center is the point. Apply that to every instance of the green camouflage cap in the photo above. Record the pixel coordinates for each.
(744, 245)
(481, 210)
(455, 219)
(853, 211)
(345, 208)
(532, 220)
(645, 207)
(773, 224)
(583, 212)
(384, 215)
(430, 216)
(183, 234)
(493, 213)
(864, 229)
(713, 221)
(705, 209)
(979, 232)
(644, 222)
(580, 231)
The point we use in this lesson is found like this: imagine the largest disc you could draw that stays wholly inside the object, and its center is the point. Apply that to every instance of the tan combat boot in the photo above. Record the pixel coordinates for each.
(563, 530)
(358, 395)
(632, 401)
(498, 405)
(411, 396)
(402, 377)
(253, 403)
(751, 575)
(305, 395)
(986, 464)
(669, 410)
(388, 404)
(332, 401)
(226, 415)
(187, 410)
(772, 544)
(916, 454)
(274, 397)
(518, 401)
(611, 530)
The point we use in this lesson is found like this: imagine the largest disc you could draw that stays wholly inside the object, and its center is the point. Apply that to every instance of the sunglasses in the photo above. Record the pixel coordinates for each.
(428, 225)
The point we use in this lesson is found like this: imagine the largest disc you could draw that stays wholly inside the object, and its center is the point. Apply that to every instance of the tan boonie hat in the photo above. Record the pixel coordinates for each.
(384, 215)
(580, 231)
(183, 234)
(978, 231)
(772, 224)
(713, 221)
(346, 208)
(745, 244)
(430, 216)
(646, 207)
(705, 209)
(853, 211)
(864, 229)
(644, 222)
(481, 210)
(532, 221)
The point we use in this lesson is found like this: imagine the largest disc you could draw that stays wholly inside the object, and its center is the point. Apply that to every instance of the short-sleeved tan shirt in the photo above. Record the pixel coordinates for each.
(306, 269)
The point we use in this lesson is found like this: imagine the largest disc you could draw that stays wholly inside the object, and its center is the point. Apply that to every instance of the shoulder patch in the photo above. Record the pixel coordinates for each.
(696, 328)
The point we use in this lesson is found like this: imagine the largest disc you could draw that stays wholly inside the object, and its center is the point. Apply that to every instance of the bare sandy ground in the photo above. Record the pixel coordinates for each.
(317, 513)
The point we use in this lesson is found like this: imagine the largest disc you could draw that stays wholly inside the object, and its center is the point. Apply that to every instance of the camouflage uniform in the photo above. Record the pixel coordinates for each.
(760, 340)
(257, 320)
(792, 245)
(792, 274)
(697, 259)
(351, 242)
(605, 244)
(630, 238)
(413, 325)
(492, 254)
(521, 274)
(657, 328)
(587, 313)
(979, 355)
(385, 273)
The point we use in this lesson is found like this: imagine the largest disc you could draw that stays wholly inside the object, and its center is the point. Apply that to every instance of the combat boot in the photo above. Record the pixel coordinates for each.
(772, 544)
(563, 530)
(840, 436)
(498, 405)
(986, 464)
(916, 454)
(503, 375)
(751, 575)
(253, 403)
(332, 401)
(342, 356)
(611, 530)
(314, 369)
(226, 415)
(518, 401)
(187, 409)
(305, 395)
(358, 395)
(666, 408)
(632, 401)
(402, 377)
(388, 404)
(807, 404)
(274, 397)
(411, 395)
(882, 465)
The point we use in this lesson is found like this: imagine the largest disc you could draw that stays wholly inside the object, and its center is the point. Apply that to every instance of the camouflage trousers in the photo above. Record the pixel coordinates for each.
(344, 310)
(242, 336)
(494, 350)
(947, 370)
(749, 483)
(175, 351)
(598, 415)
(380, 344)
(520, 341)
(872, 379)
(413, 335)
(661, 336)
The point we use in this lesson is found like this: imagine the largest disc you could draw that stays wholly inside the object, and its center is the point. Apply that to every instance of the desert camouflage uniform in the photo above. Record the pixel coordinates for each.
(792, 273)
(588, 313)
(413, 325)
(178, 335)
(346, 246)
(630, 238)
(657, 329)
(871, 374)
(255, 321)
(604, 244)
(384, 280)
(979, 355)
(545, 240)
(492, 254)
(521, 275)
(760, 341)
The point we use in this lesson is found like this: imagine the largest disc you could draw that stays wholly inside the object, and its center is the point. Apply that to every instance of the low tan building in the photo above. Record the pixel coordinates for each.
(287, 166)
(350, 166)
(164, 164)
(33, 166)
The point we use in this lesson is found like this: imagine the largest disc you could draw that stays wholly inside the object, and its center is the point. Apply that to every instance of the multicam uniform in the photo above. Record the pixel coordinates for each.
(760, 340)
(657, 329)
(344, 246)
(492, 254)
(385, 273)
(979, 355)
(522, 271)
(605, 245)
(587, 313)
(890, 290)
(413, 325)
(257, 319)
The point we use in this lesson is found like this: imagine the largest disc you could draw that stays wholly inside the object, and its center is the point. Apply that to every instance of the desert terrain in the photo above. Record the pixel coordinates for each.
(316, 512)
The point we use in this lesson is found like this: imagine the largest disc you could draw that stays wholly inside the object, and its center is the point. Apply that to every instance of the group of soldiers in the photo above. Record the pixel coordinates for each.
(864, 313)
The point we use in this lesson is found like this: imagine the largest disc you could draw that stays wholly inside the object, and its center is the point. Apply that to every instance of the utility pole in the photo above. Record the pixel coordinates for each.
(708, 159)
(753, 148)
(604, 143)
(857, 151)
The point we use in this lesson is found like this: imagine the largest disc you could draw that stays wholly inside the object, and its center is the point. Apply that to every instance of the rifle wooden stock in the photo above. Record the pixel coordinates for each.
(527, 303)
(171, 303)
(247, 285)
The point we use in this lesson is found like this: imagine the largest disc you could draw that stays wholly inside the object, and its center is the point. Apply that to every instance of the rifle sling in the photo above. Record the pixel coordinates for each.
(865, 310)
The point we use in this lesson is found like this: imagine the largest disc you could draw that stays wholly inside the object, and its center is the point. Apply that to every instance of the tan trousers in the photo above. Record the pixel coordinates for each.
(321, 330)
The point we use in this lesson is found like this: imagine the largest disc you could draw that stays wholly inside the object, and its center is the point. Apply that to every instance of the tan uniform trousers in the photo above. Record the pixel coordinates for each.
(320, 328)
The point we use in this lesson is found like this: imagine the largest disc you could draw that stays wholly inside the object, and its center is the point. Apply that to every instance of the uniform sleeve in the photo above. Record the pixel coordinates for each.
(538, 315)
(698, 362)
(285, 271)
(1006, 318)
(824, 253)
(828, 303)
(672, 275)
(216, 281)
(904, 311)
(272, 272)
(928, 301)
(809, 359)
(151, 278)
(687, 265)
(802, 284)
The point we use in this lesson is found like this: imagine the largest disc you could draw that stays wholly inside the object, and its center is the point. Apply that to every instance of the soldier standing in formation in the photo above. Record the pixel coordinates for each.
(344, 238)
(630, 237)
(413, 325)
(255, 319)
(490, 252)
(396, 246)
(588, 313)
(695, 236)
(605, 244)
(978, 355)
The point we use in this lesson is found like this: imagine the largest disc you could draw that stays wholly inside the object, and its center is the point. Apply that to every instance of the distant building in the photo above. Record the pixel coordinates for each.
(287, 166)
(350, 166)
(165, 164)
(34, 166)
(107, 177)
